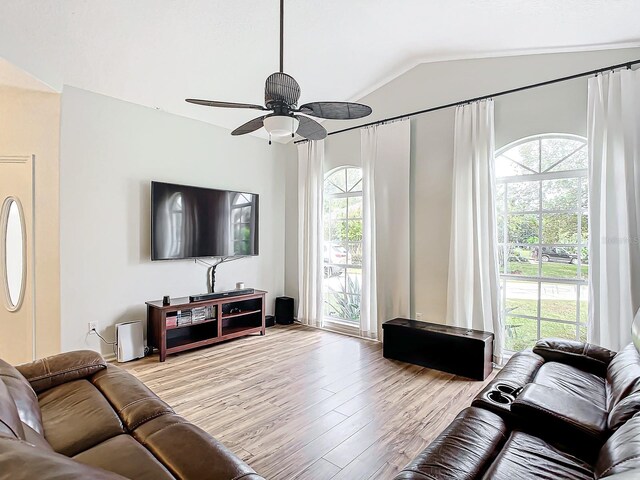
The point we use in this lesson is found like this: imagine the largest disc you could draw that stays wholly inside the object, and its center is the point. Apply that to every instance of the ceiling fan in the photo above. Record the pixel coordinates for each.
(281, 95)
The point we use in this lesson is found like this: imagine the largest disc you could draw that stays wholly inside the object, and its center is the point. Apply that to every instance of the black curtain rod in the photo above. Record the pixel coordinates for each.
(485, 97)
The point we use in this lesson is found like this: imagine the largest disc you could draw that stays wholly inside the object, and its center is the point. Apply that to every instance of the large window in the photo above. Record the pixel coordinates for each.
(342, 245)
(542, 200)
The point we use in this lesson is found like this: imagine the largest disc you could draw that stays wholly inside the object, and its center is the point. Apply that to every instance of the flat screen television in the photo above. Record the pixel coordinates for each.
(192, 222)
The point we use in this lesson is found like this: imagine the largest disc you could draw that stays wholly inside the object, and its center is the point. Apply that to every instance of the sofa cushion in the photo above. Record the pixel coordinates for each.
(187, 450)
(76, 416)
(573, 381)
(462, 451)
(62, 368)
(526, 456)
(24, 397)
(621, 452)
(126, 457)
(132, 400)
(21, 461)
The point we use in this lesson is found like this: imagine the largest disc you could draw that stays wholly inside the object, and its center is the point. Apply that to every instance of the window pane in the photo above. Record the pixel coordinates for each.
(558, 262)
(523, 228)
(557, 153)
(578, 160)
(560, 194)
(354, 179)
(584, 303)
(584, 193)
(355, 254)
(520, 333)
(336, 182)
(335, 305)
(523, 196)
(521, 298)
(500, 226)
(519, 261)
(557, 330)
(335, 282)
(355, 230)
(354, 281)
(339, 230)
(559, 301)
(338, 207)
(355, 207)
(500, 192)
(559, 228)
(520, 160)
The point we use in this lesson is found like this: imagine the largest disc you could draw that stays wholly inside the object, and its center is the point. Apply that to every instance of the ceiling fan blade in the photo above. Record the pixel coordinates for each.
(213, 103)
(335, 110)
(281, 88)
(250, 126)
(310, 129)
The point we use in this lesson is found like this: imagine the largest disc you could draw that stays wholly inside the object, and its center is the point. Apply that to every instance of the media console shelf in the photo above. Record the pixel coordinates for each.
(184, 325)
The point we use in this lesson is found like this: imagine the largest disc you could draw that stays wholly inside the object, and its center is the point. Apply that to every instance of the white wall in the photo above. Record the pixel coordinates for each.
(555, 108)
(110, 152)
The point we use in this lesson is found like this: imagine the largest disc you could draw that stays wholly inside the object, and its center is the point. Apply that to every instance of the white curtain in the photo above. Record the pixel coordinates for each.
(614, 211)
(473, 295)
(310, 249)
(385, 152)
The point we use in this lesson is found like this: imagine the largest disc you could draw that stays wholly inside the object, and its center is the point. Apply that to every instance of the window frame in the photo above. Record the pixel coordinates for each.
(338, 323)
(505, 246)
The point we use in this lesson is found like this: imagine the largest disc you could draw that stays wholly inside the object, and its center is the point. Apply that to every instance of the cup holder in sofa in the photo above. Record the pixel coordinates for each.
(497, 396)
(503, 393)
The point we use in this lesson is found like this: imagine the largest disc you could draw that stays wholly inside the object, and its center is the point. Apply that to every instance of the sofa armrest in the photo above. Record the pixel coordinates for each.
(519, 371)
(187, 451)
(62, 368)
(585, 356)
(462, 451)
(570, 419)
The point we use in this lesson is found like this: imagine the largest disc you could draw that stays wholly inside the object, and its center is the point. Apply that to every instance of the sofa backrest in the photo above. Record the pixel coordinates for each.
(621, 452)
(623, 386)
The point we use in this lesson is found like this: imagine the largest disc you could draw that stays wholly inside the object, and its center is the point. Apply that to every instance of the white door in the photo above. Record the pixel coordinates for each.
(17, 311)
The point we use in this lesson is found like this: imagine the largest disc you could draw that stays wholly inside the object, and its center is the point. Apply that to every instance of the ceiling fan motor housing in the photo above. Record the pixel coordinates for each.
(281, 90)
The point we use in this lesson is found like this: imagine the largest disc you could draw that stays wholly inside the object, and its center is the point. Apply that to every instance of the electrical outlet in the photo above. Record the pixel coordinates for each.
(418, 315)
(93, 326)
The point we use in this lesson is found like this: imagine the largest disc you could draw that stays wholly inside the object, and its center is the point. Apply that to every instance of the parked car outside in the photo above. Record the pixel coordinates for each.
(555, 254)
(334, 254)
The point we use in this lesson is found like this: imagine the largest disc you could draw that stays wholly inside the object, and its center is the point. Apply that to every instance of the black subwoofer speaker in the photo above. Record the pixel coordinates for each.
(284, 310)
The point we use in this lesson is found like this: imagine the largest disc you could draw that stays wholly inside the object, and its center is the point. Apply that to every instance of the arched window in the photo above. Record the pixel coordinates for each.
(541, 202)
(343, 245)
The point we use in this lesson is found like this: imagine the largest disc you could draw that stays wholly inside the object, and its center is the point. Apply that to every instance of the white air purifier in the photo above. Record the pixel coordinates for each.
(130, 341)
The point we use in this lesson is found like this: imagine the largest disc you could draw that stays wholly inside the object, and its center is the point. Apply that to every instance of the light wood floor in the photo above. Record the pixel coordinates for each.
(302, 403)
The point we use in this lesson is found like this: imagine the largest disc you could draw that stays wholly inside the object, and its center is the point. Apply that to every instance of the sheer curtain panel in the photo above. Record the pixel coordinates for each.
(385, 151)
(614, 208)
(310, 249)
(473, 294)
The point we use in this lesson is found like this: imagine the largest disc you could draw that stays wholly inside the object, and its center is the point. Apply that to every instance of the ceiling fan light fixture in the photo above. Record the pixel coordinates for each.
(281, 125)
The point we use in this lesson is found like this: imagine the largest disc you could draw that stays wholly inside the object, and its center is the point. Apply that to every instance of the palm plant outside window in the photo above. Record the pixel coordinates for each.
(542, 217)
(342, 248)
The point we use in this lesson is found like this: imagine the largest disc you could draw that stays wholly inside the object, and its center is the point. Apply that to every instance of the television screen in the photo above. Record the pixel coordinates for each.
(190, 222)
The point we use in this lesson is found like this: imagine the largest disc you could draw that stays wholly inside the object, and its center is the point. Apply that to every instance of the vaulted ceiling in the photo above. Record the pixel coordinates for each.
(157, 52)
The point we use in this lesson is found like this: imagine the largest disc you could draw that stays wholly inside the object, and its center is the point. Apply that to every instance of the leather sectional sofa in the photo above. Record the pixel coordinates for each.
(564, 410)
(72, 416)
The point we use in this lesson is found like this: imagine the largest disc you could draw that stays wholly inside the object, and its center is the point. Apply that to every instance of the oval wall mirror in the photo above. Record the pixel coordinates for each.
(13, 252)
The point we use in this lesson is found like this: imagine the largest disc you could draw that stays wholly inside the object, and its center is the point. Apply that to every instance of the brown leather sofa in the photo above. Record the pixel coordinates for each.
(73, 416)
(564, 410)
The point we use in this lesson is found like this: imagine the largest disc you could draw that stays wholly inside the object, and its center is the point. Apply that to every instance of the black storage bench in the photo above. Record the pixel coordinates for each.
(451, 349)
